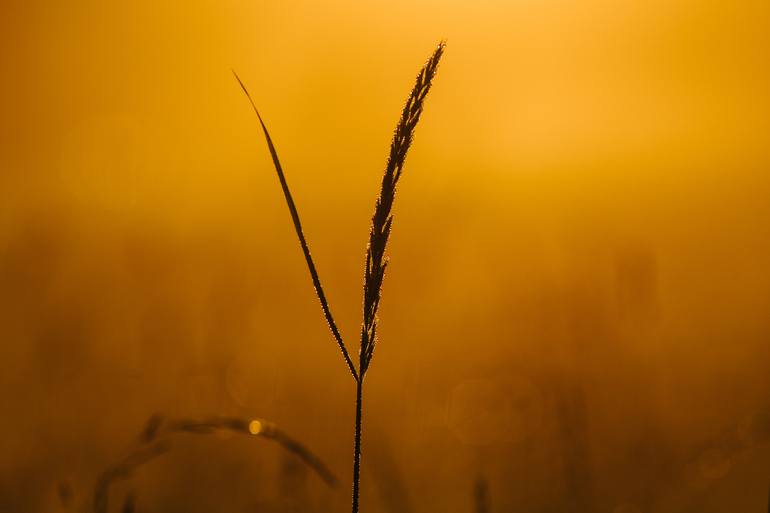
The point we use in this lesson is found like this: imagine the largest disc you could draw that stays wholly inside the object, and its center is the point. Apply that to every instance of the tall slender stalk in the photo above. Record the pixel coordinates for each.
(382, 221)
(357, 443)
(376, 262)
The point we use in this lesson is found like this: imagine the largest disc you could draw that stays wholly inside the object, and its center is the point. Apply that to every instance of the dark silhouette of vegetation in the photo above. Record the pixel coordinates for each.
(376, 262)
(481, 495)
(154, 440)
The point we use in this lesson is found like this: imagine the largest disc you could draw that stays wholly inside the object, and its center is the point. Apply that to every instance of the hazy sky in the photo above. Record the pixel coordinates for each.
(577, 303)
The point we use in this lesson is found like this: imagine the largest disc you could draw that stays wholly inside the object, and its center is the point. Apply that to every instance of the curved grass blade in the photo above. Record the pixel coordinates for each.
(300, 235)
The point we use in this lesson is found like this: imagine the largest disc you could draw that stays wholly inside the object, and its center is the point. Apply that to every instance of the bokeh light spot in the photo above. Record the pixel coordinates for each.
(255, 427)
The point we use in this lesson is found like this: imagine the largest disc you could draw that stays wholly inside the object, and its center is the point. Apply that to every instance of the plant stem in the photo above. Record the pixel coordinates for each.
(357, 444)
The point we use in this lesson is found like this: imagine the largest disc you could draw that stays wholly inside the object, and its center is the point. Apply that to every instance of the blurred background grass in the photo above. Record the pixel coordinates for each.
(577, 307)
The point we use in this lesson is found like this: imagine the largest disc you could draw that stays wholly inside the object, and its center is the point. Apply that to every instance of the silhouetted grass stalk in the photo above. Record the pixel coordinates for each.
(376, 262)
(481, 495)
(154, 441)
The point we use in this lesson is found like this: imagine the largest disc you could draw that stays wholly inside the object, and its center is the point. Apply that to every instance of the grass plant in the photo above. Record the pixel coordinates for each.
(154, 441)
(376, 261)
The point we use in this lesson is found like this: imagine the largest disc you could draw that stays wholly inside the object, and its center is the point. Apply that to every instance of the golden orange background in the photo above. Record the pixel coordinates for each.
(578, 303)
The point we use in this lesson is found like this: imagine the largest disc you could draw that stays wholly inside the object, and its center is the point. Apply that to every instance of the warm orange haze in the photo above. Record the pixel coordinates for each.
(576, 313)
